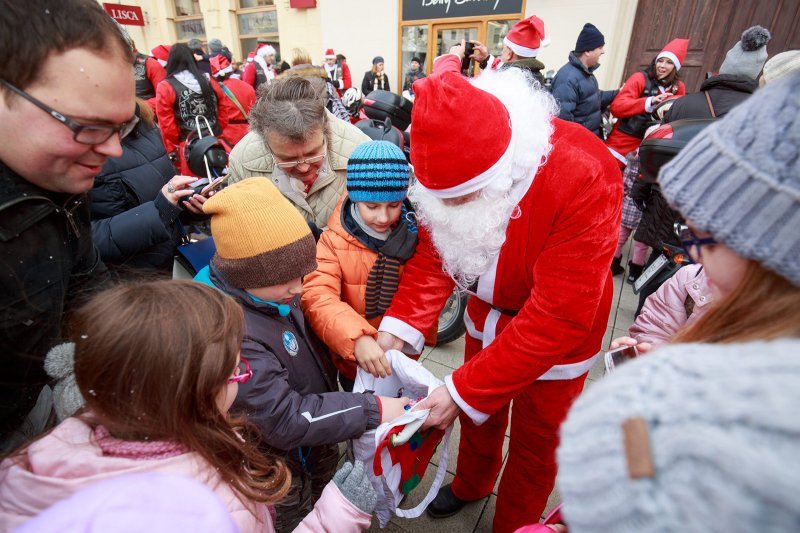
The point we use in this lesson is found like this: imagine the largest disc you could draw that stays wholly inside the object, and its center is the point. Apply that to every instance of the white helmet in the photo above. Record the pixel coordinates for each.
(351, 99)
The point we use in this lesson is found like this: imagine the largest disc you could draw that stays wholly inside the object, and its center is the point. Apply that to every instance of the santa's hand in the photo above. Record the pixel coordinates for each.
(387, 341)
(371, 357)
(443, 410)
(458, 49)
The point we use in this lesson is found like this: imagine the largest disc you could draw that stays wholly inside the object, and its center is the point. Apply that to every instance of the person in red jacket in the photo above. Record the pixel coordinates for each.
(183, 95)
(528, 225)
(148, 73)
(261, 70)
(239, 98)
(641, 93)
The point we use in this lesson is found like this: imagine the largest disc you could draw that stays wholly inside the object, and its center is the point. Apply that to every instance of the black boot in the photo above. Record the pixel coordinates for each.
(634, 271)
(616, 266)
(445, 503)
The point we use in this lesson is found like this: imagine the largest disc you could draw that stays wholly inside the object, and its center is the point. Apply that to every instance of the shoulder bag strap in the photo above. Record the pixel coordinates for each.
(710, 105)
(230, 95)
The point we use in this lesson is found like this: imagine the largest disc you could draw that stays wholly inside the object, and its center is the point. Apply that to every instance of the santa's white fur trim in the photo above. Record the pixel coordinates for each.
(669, 55)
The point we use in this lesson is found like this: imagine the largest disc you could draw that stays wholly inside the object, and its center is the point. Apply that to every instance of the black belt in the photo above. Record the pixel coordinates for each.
(509, 312)
(238, 122)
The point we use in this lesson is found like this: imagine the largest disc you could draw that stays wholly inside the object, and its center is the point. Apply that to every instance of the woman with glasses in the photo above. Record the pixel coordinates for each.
(296, 143)
(157, 386)
(185, 94)
(737, 184)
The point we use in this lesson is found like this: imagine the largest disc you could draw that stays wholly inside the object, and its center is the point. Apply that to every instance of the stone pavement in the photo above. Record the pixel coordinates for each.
(477, 517)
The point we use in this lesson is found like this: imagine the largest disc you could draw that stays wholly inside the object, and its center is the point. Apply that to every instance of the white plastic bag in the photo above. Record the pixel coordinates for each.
(410, 379)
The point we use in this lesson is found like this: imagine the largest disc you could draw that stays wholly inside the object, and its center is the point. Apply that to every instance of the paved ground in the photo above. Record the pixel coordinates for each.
(477, 517)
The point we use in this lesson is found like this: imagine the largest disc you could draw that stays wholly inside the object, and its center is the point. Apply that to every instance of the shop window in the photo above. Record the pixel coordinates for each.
(495, 31)
(414, 44)
(258, 19)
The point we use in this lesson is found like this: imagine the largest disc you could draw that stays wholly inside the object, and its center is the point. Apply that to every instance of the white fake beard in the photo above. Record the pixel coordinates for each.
(469, 236)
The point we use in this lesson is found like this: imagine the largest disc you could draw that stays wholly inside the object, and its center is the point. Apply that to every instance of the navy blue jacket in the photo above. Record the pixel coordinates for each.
(132, 222)
(575, 88)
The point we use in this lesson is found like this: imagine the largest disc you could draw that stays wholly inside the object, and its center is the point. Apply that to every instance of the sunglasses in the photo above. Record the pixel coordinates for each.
(82, 133)
(245, 372)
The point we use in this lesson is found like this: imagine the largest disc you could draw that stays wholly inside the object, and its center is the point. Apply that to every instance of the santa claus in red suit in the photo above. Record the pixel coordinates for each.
(522, 210)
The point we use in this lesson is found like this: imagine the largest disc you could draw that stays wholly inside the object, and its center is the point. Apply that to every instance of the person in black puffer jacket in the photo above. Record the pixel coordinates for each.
(736, 81)
(134, 214)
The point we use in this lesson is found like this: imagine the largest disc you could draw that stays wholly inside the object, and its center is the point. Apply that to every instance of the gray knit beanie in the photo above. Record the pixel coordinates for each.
(739, 178)
(747, 57)
(718, 425)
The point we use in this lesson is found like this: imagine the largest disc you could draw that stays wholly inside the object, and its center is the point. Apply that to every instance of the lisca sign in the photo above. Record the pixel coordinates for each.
(130, 15)
(439, 9)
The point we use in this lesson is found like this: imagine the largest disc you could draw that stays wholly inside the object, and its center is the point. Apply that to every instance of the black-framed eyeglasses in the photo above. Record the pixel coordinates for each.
(691, 242)
(82, 133)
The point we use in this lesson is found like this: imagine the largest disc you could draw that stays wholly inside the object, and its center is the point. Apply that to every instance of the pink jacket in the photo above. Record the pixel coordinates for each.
(66, 460)
(664, 312)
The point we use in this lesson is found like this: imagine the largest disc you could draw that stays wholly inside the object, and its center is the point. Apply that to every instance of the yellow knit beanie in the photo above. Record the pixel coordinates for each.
(261, 239)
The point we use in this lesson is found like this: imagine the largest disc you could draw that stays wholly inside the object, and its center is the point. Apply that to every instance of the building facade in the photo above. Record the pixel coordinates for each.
(397, 30)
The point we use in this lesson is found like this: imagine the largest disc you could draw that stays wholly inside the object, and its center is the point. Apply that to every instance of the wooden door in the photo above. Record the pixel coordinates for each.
(712, 27)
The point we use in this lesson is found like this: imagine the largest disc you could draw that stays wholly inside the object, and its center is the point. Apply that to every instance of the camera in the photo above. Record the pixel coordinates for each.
(466, 61)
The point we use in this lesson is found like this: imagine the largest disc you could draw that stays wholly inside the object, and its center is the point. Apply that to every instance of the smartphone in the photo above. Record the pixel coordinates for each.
(218, 183)
(614, 358)
(466, 61)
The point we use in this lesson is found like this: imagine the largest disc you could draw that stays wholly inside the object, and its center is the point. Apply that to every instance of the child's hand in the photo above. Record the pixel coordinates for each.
(391, 408)
(643, 347)
(371, 357)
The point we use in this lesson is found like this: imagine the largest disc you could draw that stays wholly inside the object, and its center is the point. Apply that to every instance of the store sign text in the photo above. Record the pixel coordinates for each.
(433, 9)
(130, 15)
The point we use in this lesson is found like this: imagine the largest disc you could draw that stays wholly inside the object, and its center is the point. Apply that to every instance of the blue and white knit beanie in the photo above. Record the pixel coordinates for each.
(377, 171)
(717, 427)
(739, 179)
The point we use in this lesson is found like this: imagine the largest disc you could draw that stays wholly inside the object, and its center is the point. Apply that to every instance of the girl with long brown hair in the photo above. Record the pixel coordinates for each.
(158, 365)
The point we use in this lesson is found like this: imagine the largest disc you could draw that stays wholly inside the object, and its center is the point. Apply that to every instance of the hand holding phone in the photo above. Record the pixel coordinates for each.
(614, 358)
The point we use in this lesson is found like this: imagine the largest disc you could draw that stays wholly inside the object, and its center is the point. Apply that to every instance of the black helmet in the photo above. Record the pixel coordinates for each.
(209, 149)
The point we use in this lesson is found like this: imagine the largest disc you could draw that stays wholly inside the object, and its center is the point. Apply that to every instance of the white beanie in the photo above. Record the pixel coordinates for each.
(724, 443)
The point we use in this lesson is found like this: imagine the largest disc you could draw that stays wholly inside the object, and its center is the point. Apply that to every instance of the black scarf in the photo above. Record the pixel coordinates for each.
(399, 246)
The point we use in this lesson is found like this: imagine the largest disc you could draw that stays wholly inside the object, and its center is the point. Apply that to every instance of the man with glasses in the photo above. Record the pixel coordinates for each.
(66, 100)
(296, 143)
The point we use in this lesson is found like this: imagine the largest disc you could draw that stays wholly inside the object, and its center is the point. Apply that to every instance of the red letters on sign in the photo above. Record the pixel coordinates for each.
(131, 15)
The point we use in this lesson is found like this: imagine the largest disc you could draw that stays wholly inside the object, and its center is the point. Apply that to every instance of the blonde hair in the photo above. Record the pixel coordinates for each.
(300, 56)
(763, 306)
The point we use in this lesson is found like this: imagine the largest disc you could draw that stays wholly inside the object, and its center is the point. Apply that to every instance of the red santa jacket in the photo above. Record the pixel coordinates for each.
(155, 73)
(551, 279)
(237, 123)
(629, 102)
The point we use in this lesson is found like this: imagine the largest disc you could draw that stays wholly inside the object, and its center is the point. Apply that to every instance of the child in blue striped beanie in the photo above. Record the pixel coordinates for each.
(370, 236)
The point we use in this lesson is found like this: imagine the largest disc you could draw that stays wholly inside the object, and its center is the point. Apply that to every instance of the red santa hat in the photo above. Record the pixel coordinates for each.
(441, 163)
(220, 66)
(329, 54)
(527, 37)
(676, 51)
(161, 52)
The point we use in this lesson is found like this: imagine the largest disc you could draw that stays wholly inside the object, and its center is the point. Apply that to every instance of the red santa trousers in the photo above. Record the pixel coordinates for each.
(530, 472)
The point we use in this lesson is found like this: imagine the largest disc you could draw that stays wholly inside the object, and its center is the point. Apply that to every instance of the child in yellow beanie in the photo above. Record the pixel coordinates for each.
(264, 248)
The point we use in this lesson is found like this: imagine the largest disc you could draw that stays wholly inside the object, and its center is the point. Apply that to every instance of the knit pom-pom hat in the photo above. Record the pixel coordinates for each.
(747, 57)
(261, 239)
(377, 171)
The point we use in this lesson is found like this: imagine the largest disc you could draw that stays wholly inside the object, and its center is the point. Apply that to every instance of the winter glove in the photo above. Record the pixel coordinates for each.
(60, 365)
(354, 485)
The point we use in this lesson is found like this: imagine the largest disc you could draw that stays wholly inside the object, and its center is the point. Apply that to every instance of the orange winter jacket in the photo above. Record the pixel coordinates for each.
(334, 295)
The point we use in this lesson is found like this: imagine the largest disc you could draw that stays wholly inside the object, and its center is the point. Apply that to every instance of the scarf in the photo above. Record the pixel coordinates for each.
(137, 450)
(394, 249)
